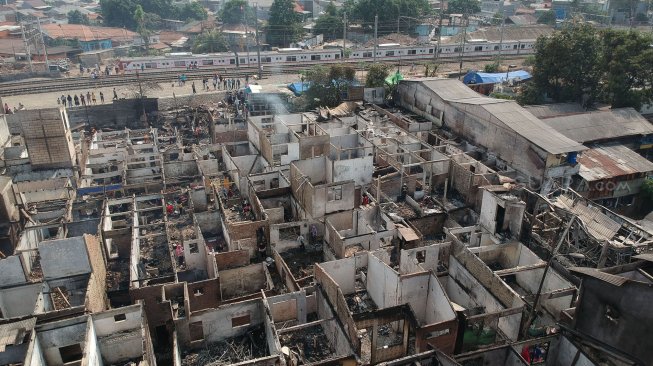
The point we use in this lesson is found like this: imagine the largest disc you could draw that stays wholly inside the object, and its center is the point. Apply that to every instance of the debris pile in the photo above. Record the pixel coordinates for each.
(249, 346)
(308, 344)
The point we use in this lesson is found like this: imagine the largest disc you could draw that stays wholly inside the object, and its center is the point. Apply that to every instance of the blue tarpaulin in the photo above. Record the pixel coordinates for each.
(493, 78)
(298, 88)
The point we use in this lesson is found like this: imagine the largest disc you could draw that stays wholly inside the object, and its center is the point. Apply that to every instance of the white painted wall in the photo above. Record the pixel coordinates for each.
(216, 323)
(19, 301)
(92, 351)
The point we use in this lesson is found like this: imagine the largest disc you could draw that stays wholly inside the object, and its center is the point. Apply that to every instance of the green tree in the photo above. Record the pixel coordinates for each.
(284, 25)
(376, 75)
(493, 67)
(464, 7)
(330, 24)
(236, 12)
(118, 13)
(210, 41)
(388, 12)
(627, 64)
(567, 65)
(548, 17)
(646, 192)
(77, 17)
(497, 19)
(193, 10)
(139, 18)
(327, 84)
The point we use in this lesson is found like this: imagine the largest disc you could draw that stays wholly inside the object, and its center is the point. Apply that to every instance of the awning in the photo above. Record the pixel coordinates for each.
(394, 78)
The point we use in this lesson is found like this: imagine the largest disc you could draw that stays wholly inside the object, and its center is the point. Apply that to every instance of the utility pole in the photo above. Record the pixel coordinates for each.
(344, 35)
(376, 28)
(437, 50)
(258, 45)
(28, 52)
(503, 23)
(45, 51)
(462, 46)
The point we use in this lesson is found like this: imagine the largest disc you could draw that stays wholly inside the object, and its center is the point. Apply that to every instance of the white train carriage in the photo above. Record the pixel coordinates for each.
(179, 60)
(289, 56)
(393, 51)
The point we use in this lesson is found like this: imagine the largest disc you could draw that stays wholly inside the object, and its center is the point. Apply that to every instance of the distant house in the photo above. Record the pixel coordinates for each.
(92, 38)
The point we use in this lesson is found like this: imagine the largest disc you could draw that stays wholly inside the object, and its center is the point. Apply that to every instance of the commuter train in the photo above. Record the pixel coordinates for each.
(295, 56)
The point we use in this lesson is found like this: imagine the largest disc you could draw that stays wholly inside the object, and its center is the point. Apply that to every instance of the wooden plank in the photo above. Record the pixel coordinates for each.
(509, 271)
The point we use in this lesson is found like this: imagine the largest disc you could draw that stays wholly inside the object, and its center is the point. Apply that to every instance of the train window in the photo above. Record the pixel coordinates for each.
(478, 48)
(430, 50)
(315, 57)
(522, 46)
(232, 61)
(412, 52)
(367, 54)
(496, 48)
(337, 56)
(514, 47)
(390, 53)
(243, 60)
(266, 59)
(457, 49)
(207, 62)
(291, 58)
(180, 63)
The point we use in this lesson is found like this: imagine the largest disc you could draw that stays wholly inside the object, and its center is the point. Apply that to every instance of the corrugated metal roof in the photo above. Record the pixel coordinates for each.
(532, 128)
(611, 161)
(510, 113)
(601, 125)
(554, 110)
(609, 278)
(600, 226)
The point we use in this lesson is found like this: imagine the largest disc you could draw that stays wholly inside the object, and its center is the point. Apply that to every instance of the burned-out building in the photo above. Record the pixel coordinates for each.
(354, 235)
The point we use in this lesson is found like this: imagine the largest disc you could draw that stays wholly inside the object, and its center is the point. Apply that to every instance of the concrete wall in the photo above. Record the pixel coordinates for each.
(120, 340)
(562, 353)
(20, 301)
(116, 115)
(64, 257)
(63, 333)
(217, 323)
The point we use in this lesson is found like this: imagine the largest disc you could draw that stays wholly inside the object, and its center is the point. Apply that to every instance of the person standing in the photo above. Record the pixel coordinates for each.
(70, 101)
(76, 99)
(93, 96)
(193, 86)
(115, 94)
(101, 97)
(83, 99)
(88, 97)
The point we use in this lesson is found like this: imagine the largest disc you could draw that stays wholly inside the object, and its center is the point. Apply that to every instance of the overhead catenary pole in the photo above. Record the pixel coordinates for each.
(28, 52)
(503, 23)
(376, 28)
(258, 45)
(437, 50)
(45, 51)
(344, 34)
(462, 46)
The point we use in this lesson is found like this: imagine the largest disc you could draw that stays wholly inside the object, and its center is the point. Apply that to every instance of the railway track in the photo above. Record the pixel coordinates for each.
(84, 83)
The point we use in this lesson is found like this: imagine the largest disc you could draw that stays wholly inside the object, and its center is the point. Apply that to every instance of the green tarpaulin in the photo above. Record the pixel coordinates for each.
(394, 78)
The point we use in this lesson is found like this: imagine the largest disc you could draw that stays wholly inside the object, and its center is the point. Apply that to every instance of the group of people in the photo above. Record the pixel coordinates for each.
(97, 71)
(82, 99)
(219, 83)
(8, 110)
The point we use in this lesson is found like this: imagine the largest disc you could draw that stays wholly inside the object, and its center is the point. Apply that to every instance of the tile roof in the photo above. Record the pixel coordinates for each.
(87, 33)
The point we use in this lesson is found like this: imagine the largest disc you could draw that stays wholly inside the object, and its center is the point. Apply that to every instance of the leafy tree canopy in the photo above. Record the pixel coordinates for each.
(284, 25)
(583, 64)
(328, 84)
(120, 13)
(237, 12)
(329, 24)
(464, 7)
(548, 17)
(376, 75)
(210, 41)
(388, 12)
(77, 17)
